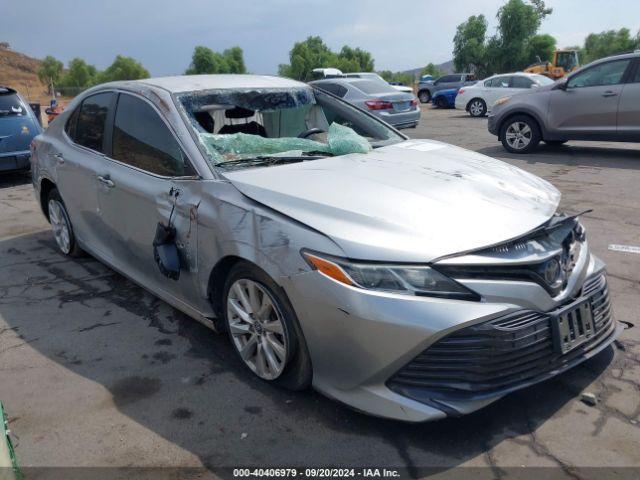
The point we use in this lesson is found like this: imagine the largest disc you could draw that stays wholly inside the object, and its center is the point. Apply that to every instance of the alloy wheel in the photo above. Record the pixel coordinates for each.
(476, 108)
(518, 135)
(257, 328)
(60, 225)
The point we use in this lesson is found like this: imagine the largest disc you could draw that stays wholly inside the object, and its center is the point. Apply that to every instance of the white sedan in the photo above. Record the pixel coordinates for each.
(478, 99)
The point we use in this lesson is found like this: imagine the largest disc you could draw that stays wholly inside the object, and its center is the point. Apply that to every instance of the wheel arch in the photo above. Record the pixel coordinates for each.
(525, 113)
(46, 186)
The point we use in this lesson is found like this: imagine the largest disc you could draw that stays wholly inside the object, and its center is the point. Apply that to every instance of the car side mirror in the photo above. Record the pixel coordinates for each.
(562, 86)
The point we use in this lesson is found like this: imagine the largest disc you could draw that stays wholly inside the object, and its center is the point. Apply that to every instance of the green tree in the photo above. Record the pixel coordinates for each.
(469, 49)
(49, 72)
(123, 68)
(541, 46)
(79, 75)
(517, 23)
(305, 56)
(512, 48)
(314, 53)
(205, 60)
(355, 60)
(432, 70)
(612, 42)
(402, 77)
(234, 58)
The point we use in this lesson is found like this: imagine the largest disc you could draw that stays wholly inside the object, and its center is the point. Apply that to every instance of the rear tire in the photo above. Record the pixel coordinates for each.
(263, 328)
(520, 134)
(424, 96)
(61, 225)
(477, 108)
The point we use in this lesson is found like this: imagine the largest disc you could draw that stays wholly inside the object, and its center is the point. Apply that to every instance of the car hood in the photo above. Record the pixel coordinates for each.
(414, 201)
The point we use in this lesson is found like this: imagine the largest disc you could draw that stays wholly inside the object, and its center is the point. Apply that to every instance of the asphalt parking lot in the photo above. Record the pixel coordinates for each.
(94, 371)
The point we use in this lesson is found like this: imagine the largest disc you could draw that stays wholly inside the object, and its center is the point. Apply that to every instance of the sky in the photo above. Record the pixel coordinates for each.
(162, 34)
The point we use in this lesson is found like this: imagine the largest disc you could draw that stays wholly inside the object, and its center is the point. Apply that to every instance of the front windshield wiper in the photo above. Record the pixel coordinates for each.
(270, 160)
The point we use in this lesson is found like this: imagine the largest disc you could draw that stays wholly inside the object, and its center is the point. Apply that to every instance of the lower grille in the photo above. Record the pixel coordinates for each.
(500, 354)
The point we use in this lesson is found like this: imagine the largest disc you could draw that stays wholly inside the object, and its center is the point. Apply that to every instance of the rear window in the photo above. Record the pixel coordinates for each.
(92, 119)
(334, 88)
(372, 87)
(10, 104)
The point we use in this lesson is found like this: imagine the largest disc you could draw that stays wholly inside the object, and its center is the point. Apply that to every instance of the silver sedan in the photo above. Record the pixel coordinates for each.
(409, 279)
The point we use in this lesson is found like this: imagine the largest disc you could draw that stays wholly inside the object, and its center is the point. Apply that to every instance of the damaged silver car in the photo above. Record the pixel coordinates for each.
(409, 279)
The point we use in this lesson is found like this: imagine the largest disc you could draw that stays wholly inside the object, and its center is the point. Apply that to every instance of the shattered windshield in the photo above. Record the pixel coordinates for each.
(240, 126)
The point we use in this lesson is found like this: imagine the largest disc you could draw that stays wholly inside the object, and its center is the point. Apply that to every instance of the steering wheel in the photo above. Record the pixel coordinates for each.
(311, 131)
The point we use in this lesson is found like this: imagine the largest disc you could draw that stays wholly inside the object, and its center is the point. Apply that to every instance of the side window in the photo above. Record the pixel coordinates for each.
(72, 122)
(518, 81)
(498, 82)
(609, 73)
(89, 130)
(636, 77)
(141, 139)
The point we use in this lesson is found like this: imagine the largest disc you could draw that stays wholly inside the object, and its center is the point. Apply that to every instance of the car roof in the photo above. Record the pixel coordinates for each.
(349, 80)
(189, 83)
(6, 90)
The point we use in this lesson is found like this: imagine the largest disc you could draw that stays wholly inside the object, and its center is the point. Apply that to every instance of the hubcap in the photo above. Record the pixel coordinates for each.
(518, 135)
(476, 109)
(257, 328)
(60, 225)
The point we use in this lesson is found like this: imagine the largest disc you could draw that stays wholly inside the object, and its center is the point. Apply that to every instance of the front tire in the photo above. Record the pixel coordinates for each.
(477, 108)
(264, 329)
(61, 225)
(441, 102)
(424, 96)
(520, 134)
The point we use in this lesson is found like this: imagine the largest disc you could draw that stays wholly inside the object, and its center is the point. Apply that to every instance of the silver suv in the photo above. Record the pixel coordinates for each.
(601, 101)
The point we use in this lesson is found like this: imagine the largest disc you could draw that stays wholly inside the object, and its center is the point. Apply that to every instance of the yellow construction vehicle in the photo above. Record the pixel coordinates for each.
(564, 62)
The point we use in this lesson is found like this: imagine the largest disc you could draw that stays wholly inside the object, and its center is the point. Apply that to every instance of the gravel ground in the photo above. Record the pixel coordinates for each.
(94, 371)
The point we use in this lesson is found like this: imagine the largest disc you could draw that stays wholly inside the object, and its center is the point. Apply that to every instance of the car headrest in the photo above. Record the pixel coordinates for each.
(239, 112)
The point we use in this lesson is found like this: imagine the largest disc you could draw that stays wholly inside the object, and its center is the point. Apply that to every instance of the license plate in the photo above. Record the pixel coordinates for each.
(401, 106)
(573, 326)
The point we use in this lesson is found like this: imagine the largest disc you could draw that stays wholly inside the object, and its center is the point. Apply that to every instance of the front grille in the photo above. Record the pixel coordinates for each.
(500, 354)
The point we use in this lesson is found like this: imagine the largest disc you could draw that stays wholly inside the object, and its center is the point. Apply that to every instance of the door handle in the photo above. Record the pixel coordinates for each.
(58, 157)
(609, 93)
(106, 181)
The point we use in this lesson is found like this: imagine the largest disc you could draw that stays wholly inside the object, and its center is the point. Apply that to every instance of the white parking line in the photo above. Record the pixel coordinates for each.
(624, 248)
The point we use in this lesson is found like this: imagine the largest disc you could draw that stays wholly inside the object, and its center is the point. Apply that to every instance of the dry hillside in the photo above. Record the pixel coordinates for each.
(21, 72)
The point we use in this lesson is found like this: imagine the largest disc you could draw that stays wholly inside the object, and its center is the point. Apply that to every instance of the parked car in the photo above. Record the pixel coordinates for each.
(601, 101)
(478, 99)
(374, 76)
(409, 279)
(319, 73)
(381, 99)
(445, 98)
(18, 126)
(446, 82)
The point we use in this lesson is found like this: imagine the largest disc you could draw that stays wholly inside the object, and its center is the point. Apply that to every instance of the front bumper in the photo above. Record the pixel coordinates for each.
(11, 161)
(493, 125)
(361, 341)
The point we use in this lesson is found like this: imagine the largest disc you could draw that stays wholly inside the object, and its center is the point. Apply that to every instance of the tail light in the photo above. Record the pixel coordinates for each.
(378, 104)
(461, 91)
(414, 102)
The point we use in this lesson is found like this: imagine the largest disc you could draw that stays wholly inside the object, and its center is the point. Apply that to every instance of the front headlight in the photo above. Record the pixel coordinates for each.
(404, 279)
(501, 101)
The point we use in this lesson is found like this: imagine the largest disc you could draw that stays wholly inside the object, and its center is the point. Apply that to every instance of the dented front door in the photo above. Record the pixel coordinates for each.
(132, 203)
